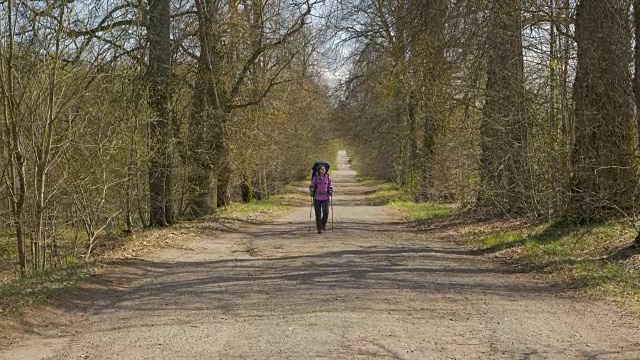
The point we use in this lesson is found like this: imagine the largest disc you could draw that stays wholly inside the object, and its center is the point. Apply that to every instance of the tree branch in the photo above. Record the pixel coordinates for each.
(104, 27)
(184, 13)
(298, 25)
(272, 83)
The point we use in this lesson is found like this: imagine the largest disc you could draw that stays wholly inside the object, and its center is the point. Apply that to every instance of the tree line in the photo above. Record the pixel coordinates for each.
(120, 115)
(513, 107)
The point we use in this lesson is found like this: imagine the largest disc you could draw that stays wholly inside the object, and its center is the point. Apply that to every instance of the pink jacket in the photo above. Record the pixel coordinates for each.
(323, 187)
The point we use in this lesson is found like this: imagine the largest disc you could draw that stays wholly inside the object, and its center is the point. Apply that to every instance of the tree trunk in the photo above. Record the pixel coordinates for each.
(603, 174)
(207, 141)
(14, 147)
(160, 169)
(434, 63)
(201, 193)
(412, 147)
(636, 78)
(246, 190)
(223, 166)
(505, 183)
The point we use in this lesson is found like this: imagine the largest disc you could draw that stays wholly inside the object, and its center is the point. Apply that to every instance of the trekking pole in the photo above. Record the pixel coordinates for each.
(331, 201)
(310, 209)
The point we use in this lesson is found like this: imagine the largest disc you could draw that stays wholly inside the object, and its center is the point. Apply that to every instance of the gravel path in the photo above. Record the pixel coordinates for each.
(374, 288)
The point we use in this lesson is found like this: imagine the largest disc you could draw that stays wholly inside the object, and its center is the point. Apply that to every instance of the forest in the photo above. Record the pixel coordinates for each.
(157, 196)
(124, 115)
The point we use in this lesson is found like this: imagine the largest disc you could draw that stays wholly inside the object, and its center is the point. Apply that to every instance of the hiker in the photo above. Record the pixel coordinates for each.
(321, 189)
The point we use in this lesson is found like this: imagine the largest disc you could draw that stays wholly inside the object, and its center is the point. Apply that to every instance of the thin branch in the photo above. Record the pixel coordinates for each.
(298, 25)
(272, 83)
(105, 27)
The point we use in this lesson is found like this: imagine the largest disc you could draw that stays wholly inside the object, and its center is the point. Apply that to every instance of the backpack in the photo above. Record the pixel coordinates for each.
(317, 165)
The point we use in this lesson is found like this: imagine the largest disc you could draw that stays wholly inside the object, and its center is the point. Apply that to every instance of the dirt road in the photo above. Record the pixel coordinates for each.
(373, 289)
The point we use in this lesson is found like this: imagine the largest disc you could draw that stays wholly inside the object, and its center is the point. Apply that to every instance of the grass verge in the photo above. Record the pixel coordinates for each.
(39, 289)
(397, 200)
(422, 211)
(383, 193)
(600, 259)
(268, 208)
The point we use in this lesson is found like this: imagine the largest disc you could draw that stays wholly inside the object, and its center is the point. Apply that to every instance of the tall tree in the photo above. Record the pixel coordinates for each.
(14, 146)
(505, 124)
(604, 177)
(218, 88)
(431, 50)
(636, 78)
(206, 125)
(159, 72)
(93, 96)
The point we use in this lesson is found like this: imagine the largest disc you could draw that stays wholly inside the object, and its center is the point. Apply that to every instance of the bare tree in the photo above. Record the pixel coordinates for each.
(14, 171)
(506, 126)
(220, 85)
(159, 72)
(636, 77)
(430, 46)
(604, 176)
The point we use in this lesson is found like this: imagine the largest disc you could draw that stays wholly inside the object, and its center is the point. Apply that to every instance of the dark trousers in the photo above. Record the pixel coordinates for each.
(322, 213)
